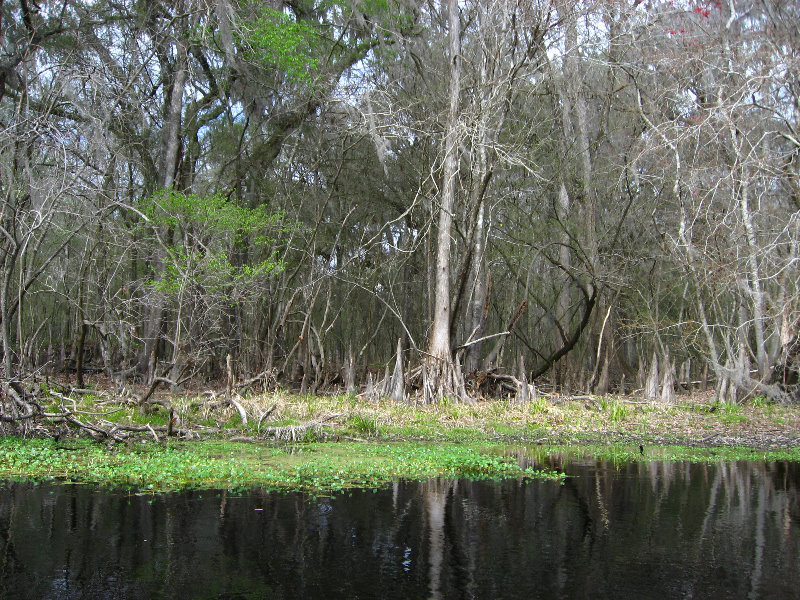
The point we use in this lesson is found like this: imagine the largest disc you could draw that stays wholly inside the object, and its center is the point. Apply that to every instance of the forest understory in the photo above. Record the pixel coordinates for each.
(445, 204)
(141, 413)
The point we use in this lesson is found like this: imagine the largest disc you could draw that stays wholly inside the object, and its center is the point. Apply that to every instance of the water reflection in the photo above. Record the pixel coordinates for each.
(657, 530)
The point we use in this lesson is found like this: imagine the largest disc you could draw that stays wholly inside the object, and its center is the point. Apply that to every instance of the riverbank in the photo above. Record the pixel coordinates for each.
(692, 420)
(328, 443)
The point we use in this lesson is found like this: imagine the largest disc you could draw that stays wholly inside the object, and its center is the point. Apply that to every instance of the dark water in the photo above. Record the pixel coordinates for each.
(661, 530)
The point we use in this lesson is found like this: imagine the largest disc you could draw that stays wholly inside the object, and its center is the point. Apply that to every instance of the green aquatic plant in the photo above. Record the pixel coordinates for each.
(313, 467)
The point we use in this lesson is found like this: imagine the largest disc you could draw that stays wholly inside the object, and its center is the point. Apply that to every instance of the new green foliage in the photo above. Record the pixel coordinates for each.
(301, 40)
(179, 210)
(278, 39)
(206, 231)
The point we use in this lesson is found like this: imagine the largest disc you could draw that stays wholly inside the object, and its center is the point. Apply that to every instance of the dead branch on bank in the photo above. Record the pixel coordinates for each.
(267, 377)
(229, 400)
(23, 405)
(295, 433)
(142, 400)
(265, 414)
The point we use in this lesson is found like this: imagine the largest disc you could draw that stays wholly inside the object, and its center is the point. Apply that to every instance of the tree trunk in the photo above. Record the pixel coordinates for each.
(668, 381)
(79, 351)
(349, 372)
(563, 208)
(475, 312)
(754, 284)
(651, 385)
(5, 325)
(397, 390)
(523, 391)
(442, 377)
(170, 148)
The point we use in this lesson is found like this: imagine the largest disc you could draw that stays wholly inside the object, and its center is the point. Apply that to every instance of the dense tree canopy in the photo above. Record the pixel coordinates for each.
(592, 194)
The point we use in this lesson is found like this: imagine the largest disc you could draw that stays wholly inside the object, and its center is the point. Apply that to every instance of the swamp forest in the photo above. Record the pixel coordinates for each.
(399, 299)
(424, 201)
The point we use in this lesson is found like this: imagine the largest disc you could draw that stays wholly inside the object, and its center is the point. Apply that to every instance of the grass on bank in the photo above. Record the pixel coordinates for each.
(541, 420)
(617, 453)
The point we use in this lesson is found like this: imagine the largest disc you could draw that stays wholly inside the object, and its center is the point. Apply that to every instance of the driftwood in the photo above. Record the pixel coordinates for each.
(142, 400)
(169, 430)
(84, 392)
(508, 383)
(107, 430)
(62, 398)
(239, 408)
(95, 430)
(23, 405)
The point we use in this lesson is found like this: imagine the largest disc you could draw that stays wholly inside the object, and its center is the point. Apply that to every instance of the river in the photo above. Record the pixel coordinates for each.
(635, 530)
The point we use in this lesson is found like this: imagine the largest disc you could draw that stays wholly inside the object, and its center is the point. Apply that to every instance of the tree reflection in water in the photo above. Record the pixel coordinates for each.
(637, 530)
